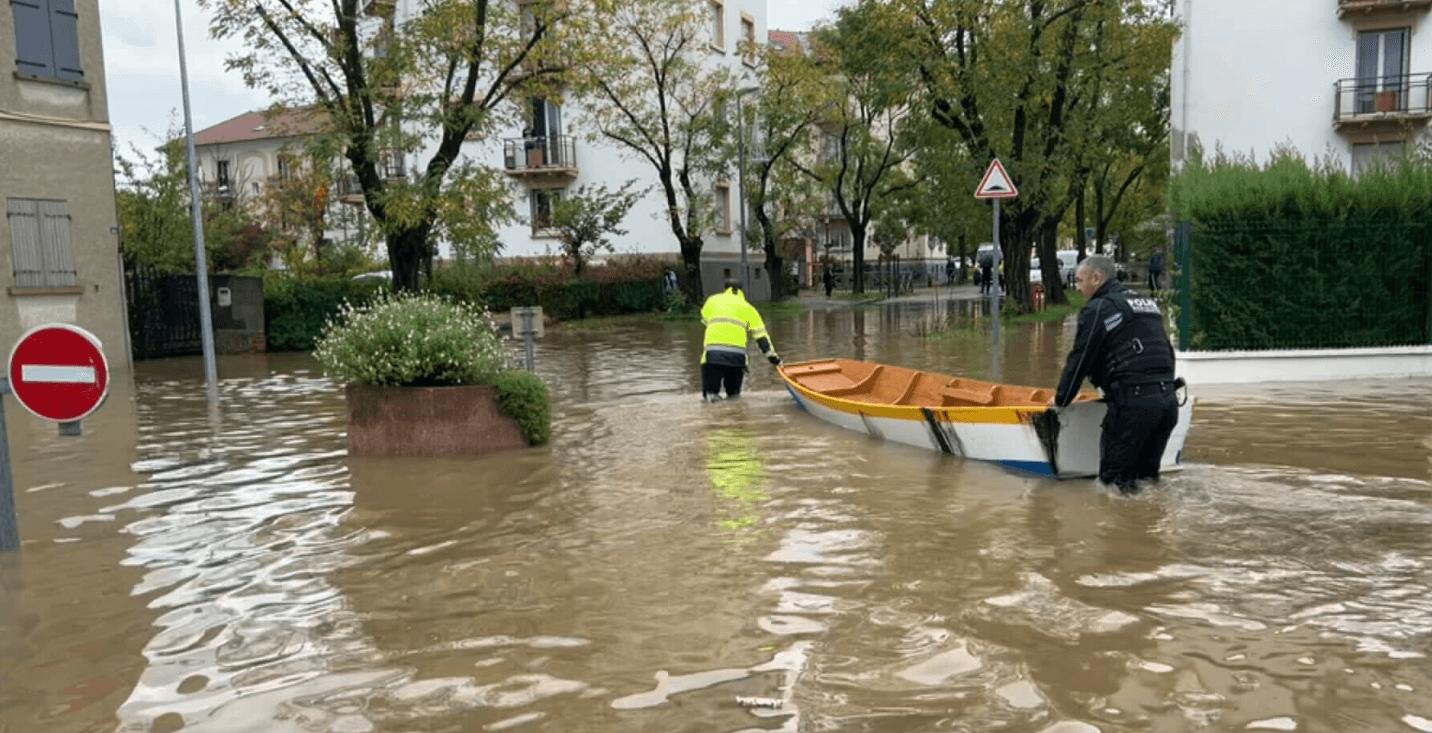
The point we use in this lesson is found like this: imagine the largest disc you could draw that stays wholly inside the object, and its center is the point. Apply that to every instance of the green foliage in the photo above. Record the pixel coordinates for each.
(585, 218)
(295, 310)
(523, 396)
(411, 340)
(1293, 256)
(156, 222)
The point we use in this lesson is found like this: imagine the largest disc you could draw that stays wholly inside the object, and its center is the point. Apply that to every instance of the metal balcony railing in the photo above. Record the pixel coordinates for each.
(1380, 98)
(550, 153)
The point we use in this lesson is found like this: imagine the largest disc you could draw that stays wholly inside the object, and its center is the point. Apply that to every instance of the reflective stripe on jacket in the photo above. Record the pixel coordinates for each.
(730, 321)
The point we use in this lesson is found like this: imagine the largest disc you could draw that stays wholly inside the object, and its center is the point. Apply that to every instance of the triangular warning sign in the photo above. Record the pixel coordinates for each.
(996, 184)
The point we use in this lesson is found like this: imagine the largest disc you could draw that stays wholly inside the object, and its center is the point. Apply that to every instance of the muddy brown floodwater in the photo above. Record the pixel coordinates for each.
(661, 558)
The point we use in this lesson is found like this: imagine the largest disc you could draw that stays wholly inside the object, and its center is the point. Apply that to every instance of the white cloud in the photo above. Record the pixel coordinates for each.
(141, 59)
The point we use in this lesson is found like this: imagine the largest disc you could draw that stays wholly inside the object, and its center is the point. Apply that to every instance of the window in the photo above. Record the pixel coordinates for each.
(723, 208)
(748, 39)
(1382, 70)
(41, 231)
(221, 174)
(542, 201)
(718, 26)
(1371, 155)
(47, 41)
(283, 168)
(254, 189)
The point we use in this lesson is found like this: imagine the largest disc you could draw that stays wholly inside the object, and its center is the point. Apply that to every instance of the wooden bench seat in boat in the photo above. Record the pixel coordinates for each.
(973, 396)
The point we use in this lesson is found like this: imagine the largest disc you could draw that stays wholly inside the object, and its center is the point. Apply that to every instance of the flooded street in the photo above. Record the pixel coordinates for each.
(662, 557)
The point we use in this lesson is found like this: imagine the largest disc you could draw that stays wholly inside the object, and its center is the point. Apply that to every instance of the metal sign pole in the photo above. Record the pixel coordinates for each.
(201, 267)
(527, 340)
(994, 288)
(9, 521)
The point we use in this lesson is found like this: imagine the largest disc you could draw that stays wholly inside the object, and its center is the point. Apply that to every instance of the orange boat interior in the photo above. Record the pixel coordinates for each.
(861, 381)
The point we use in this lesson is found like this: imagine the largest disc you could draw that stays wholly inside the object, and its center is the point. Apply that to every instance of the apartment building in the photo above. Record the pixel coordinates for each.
(1345, 81)
(59, 249)
(239, 158)
(546, 153)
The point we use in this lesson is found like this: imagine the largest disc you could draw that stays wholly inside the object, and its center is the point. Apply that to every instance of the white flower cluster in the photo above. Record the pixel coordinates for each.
(411, 340)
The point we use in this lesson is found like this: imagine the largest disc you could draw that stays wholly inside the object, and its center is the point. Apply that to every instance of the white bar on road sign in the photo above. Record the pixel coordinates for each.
(57, 374)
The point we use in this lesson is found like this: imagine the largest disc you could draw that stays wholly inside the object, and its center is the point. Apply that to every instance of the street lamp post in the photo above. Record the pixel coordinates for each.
(741, 190)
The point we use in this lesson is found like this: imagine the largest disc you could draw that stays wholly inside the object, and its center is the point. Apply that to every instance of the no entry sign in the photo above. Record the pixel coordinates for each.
(58, 372)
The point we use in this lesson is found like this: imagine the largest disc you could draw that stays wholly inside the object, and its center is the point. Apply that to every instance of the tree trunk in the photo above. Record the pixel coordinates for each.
(775, 264)
(857, 278)
(1018, 234)
(1049, 265)
(1079, 223)
(406, 250)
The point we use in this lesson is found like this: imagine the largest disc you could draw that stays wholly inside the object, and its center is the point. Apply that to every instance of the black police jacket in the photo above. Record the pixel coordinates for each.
(1120, 343)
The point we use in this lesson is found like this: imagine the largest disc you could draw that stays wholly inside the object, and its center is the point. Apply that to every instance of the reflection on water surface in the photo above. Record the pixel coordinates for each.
(663, 557)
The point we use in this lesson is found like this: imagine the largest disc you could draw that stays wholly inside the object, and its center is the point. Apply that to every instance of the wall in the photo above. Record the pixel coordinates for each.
(55, 143)
(1249, 76)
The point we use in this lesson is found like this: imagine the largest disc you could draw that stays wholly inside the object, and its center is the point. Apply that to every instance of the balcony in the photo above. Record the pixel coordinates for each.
(550, 157)
(1390, 104)
(350, 190)
(1353, 9)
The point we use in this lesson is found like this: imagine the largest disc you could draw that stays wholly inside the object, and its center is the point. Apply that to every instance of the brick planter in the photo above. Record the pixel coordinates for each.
(428, 421)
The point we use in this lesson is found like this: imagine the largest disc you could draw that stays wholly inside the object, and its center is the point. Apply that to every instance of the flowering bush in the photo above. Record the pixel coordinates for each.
(408, 340)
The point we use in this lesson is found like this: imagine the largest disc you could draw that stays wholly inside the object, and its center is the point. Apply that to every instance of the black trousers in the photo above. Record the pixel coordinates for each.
(1136, 431)
(986, 278)
(713, 376)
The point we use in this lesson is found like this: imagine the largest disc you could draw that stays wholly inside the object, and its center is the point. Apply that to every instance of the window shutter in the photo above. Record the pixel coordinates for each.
(25, 227)
(33, 54)
(59, 260)
(65, 39)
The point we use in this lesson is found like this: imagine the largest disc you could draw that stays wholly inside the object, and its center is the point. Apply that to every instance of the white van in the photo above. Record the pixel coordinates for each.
(1068, 263)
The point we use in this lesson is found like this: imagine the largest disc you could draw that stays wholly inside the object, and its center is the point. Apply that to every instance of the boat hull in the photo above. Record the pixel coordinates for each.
(1020, 437)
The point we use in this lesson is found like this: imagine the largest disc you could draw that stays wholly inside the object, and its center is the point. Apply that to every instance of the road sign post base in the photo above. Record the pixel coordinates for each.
(71, 429)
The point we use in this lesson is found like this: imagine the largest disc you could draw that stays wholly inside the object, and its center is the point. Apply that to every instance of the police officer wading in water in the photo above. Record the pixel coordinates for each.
(730, 320)
(1121, 347)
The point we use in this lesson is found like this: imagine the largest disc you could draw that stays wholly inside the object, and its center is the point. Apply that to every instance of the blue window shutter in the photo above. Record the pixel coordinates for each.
(65, 40)
(33, 54)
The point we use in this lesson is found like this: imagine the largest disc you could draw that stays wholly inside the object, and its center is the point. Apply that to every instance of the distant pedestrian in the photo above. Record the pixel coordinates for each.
(668, 282)
(829, 280)
(1156, 268)
(986, 270)
(950, 271)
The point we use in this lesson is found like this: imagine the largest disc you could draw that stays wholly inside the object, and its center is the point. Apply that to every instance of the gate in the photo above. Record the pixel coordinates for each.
(163, 313)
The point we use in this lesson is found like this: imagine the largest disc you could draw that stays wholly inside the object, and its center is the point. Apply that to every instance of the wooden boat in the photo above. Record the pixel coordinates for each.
(1003, 423)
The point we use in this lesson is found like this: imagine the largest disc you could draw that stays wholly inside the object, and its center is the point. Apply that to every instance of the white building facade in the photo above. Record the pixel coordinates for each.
(1346, 81)
(549, 153)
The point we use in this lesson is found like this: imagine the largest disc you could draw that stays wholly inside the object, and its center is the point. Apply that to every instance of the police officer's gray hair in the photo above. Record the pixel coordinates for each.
(1101, 264)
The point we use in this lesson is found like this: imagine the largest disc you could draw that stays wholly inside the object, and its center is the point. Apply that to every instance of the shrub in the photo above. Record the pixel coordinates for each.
(523, 396)
(295, 311)
(411, 340)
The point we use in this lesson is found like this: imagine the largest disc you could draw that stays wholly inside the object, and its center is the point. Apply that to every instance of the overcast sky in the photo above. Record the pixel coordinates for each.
(141, 59)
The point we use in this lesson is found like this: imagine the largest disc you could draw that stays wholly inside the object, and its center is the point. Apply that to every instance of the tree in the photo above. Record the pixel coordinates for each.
(656, 99)
(156, 224)
(583, 220)
(1027, 81)
(790, 104)
(860, 161)
(391, 86)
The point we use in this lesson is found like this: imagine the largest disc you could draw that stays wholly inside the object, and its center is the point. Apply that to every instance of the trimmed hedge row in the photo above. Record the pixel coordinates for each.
(295, 310)
(1288, 256)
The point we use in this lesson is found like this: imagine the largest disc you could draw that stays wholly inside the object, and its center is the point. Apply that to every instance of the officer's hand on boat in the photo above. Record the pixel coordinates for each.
(774, 359)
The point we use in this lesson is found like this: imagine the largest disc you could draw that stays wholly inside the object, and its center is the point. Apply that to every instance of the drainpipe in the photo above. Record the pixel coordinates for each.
(1187, 51)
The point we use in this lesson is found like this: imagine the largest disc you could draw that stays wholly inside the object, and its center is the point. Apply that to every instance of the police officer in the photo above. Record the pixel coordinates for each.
(730, 321)
(1121, 347)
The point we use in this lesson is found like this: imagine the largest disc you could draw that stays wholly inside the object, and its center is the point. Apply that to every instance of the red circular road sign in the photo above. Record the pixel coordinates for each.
(58, 372)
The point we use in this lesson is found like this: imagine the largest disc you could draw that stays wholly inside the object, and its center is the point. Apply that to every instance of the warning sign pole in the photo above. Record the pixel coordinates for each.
(996, 185)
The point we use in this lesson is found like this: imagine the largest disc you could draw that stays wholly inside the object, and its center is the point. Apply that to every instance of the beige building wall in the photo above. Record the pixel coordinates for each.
(55, 145)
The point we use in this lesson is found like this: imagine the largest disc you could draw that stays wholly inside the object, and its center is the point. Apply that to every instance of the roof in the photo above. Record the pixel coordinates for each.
(261, 125)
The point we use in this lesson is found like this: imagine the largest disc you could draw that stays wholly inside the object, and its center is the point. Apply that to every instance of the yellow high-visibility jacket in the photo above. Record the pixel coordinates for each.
(730, 320)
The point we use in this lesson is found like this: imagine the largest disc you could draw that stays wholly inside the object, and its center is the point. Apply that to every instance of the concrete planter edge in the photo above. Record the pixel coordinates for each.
(428, 421)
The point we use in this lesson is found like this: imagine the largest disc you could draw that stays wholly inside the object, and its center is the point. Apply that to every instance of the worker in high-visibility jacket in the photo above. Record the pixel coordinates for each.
(730, 321)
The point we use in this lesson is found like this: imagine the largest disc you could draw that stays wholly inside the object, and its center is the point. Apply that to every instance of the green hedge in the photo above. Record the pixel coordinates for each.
(295, 310)
(1288, 256)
